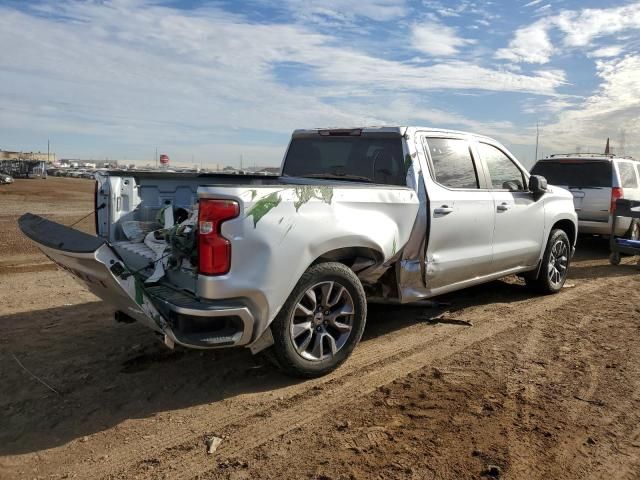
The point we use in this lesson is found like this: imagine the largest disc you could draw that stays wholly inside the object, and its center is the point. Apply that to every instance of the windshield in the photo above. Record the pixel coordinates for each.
(573, 173)
(360, 158)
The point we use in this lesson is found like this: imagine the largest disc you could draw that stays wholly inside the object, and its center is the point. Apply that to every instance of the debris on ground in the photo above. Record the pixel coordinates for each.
(212, 444)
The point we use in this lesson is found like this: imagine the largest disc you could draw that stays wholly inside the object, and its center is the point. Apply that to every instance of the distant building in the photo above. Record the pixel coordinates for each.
(79, 162)
(270, 170)
(38, 156)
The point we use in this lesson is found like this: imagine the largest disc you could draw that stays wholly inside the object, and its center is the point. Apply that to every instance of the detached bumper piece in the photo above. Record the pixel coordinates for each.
(199, 324)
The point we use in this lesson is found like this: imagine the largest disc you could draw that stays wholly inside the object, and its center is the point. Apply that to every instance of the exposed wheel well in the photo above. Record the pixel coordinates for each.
(349, 255)
(569, 228)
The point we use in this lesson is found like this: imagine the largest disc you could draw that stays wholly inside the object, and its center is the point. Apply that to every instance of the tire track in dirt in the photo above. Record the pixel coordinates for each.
(519, 399)
(28, 268)
(190, 460)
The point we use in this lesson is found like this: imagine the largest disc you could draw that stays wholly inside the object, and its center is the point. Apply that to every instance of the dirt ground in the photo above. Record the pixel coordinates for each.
(498, 384)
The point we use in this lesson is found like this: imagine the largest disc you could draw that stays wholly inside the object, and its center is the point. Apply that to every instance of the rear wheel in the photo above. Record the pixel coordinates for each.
(555, 264)
(614, 258)
(321, 322)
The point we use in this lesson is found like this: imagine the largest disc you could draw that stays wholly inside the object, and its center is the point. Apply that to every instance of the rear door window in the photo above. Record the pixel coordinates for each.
(575, 173)
(505, 175)
(627, 175)
(452, 162)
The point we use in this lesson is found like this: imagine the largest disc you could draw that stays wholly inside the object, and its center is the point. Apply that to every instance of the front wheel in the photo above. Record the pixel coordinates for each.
(555, 264)
(321, 322)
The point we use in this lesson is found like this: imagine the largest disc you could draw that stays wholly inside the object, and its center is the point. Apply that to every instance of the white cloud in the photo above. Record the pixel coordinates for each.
(581, 28)
(532, 44)
(543, 9)
(345, 10)
(532, 3)
(605, 52)
(437, 39)
(615, 106)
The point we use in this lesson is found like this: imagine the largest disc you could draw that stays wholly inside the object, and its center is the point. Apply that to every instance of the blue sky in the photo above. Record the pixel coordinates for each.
(211, 81)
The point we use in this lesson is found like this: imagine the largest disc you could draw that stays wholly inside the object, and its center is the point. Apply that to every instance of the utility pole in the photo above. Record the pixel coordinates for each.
(156, 157)
(537, 139)
(48, 150)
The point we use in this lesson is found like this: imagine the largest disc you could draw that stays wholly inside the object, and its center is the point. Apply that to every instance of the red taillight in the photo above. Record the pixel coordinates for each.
(214, 251)
(616, 193)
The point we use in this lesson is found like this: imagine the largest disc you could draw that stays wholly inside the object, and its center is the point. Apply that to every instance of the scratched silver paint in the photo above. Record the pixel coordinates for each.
(271, 255)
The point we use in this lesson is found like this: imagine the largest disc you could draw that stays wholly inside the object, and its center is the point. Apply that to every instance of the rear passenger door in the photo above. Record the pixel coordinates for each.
(460, 213)
(519, 218)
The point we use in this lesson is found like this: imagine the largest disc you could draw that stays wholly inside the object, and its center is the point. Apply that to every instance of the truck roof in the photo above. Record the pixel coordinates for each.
(383, 129)
(585, 156)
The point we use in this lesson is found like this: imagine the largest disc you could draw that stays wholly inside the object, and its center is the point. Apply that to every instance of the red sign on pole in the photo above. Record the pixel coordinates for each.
(164, 159)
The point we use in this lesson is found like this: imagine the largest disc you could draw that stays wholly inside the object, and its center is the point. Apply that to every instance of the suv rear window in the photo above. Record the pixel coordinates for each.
(575, 173)
(366, 158)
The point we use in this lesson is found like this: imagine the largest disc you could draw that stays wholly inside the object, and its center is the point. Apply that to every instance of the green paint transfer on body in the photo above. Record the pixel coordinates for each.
(263, 206)
(303, 194)
(307, 192)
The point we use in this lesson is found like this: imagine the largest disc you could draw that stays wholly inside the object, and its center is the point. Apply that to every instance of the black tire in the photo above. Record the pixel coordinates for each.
(548, 281)
(289, 350)
(614, 258)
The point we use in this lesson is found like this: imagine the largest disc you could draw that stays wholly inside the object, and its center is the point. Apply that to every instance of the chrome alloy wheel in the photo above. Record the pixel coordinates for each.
(322, 321)
(558, 262)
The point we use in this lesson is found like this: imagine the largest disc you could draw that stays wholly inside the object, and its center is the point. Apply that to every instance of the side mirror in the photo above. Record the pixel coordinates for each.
(537, 185)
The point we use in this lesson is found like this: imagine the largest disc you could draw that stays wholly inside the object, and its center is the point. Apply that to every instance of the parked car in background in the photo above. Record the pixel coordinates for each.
(289, 262)
(596, 181)
(5, 178)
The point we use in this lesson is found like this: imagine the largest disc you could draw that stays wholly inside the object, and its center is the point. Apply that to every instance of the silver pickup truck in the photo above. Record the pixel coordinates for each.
(290, 262)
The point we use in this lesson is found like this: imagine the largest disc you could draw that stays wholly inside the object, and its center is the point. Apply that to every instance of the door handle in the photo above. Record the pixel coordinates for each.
(443, 210)
(503, 207)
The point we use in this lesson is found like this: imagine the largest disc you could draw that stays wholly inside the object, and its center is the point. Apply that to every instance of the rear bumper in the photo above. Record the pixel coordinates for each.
(197, 323)
(604, 228)
(181, 317)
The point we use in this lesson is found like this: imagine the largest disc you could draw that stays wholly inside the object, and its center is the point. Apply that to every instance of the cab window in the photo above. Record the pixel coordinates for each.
(453, 165)
(505, 175)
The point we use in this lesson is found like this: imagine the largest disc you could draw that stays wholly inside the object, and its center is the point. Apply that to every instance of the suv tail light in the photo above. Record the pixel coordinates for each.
(616, 193)
(214, 251)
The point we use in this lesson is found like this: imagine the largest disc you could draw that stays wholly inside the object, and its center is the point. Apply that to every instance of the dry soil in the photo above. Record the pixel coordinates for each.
(499, 383)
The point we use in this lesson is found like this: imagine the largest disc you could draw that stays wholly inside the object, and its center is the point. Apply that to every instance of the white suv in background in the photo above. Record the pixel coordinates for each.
(596, 182)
